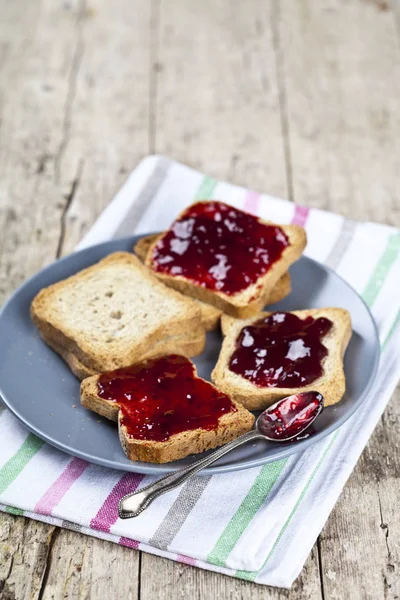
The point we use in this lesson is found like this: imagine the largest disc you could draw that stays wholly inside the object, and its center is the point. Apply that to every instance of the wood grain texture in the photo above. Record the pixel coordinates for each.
(85, 567)
(34, 92)
(36, 50)
(295, 97)
(164, 579)
(216, 95)
(106, 119)
(395, 5)
(72, 126)
(340, 75)
(358, 545)
(24, 551)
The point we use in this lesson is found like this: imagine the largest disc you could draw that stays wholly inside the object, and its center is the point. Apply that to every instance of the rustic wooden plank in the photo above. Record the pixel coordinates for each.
(86, 567)
(384, 449)
(395, 4)
(107, 118)
(359, 543)
(164, 579)
(33, 79)
(341, 77)
(216, 91)
(24, 549)
(72, 125)
(35, 42)
(339, 71)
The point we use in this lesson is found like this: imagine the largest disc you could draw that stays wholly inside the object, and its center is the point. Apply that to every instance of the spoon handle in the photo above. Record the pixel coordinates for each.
(133, 504)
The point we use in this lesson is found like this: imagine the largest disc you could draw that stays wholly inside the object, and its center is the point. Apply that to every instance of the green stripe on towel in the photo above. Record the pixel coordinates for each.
(251, 575)
(13, 467)
(254, 499)
(14, 511)
(206, 188)
(382, 269)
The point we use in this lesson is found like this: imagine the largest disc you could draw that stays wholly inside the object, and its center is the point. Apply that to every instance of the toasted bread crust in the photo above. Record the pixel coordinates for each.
(210, 316)
(252, 300)
(91, 400)
(179, 445)
(331, 384)
(142, 247)
(184, 345)
(103, 357)
(77, 367)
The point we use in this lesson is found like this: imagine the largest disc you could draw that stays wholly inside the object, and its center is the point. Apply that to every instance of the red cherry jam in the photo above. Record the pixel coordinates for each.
(219, 247)
(163, 396)
(291, 416)
(281, 350)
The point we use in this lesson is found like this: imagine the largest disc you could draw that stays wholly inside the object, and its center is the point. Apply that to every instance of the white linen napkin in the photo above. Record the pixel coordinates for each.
(259, 524)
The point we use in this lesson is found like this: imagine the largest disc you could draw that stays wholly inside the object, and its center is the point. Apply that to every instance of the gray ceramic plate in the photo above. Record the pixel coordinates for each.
(42, 393)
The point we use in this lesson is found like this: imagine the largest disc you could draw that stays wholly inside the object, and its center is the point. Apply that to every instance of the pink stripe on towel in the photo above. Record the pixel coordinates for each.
(108, 513)
(60, 487)
(124, 541)
(300, 215)
(186, 560)
(251, 202)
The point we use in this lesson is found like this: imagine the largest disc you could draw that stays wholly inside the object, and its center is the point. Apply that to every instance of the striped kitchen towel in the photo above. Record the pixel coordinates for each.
(259, 524)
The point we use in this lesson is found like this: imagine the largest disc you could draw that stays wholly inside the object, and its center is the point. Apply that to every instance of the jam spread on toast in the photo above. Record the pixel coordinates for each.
(281, 350)
(290, 416)
(219, 247)
(161, 397)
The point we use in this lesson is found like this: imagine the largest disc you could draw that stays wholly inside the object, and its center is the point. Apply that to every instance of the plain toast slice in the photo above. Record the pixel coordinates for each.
(113, 313)
(250, 300)
(331, 384)
(234, 421)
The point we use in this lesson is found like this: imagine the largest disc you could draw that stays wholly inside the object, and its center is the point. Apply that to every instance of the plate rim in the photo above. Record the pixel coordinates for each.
(154, 468)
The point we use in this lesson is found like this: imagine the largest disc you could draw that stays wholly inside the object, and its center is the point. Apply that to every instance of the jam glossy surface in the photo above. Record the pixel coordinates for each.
(219, 247)
(281, 350)
(161, 397)
(289, 417)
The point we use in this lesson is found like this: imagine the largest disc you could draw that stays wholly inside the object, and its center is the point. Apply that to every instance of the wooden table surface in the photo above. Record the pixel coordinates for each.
(299, 98)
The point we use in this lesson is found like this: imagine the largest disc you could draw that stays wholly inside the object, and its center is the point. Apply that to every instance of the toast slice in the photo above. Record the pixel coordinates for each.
(164, 410)
(113, 314)
(206, 269)
(184, 345)
(331, 383)
(210, 314)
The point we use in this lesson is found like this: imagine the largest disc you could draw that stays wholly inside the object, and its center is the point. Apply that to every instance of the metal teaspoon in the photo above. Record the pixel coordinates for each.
(283, 421)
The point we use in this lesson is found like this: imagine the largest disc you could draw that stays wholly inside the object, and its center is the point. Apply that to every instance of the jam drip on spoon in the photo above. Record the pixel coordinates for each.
(281, 350)
(219, 248)
(290, 416)
(161, 397)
